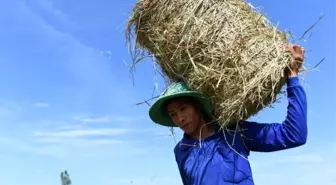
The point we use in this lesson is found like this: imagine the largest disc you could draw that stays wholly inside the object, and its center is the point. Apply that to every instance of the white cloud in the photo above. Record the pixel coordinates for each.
(67, 147)
(41, 105)
(48, 6)
(84, 133)
(107, 119)
(306, 165)
(68, 126)
(4, 111)
(50, 140)
(126, 118)
(92, 73)
(4, 141)
(154, 180)
(51, 151)
(78, 141)
(306, 158)
(104, 119)
(9, 109)
(79, 148)
(84, 142)
(106, 141)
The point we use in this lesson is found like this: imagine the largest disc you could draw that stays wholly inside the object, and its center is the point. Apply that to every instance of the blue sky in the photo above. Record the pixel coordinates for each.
(67, 102)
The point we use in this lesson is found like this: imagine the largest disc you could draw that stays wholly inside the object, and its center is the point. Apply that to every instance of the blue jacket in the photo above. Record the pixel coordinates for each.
(221, 159)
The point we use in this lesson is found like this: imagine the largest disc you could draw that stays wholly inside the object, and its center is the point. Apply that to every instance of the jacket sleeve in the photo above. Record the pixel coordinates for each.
(183, 177)
(292, 132)
(179, 165)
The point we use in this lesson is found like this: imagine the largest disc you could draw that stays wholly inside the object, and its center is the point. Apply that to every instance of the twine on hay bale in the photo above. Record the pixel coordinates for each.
(224, 48)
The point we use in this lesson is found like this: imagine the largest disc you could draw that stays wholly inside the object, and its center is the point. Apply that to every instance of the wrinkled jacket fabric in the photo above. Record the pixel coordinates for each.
(220, 159)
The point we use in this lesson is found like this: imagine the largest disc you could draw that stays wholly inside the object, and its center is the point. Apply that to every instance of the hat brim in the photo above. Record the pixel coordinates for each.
(159, 115)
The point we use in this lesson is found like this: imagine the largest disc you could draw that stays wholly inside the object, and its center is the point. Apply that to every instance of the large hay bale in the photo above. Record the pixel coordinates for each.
(223, 48)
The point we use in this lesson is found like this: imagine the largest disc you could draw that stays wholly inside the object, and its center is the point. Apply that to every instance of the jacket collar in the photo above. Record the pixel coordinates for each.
(188, 142)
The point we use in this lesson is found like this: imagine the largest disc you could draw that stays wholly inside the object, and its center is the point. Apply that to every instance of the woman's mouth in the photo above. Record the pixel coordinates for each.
(185, 126)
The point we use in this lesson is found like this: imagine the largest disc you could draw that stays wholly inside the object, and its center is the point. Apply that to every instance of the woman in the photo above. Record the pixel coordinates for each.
(208, 155)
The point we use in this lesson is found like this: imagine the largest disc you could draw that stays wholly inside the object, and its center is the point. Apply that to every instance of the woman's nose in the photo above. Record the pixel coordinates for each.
(181, 119)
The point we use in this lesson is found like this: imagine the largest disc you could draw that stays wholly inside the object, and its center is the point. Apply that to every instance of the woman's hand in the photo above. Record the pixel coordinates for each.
(298, 53)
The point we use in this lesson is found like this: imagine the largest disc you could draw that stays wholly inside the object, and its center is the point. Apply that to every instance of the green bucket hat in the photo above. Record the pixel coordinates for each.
(159, 115)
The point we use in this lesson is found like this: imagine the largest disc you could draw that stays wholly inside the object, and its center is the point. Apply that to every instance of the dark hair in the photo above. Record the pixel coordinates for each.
(186, 99)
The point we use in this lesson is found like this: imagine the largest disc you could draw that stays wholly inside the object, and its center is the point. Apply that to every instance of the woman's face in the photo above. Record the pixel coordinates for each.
(185, 115)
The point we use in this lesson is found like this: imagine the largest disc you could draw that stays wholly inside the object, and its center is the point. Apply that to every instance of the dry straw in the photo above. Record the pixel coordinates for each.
(223, 48)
